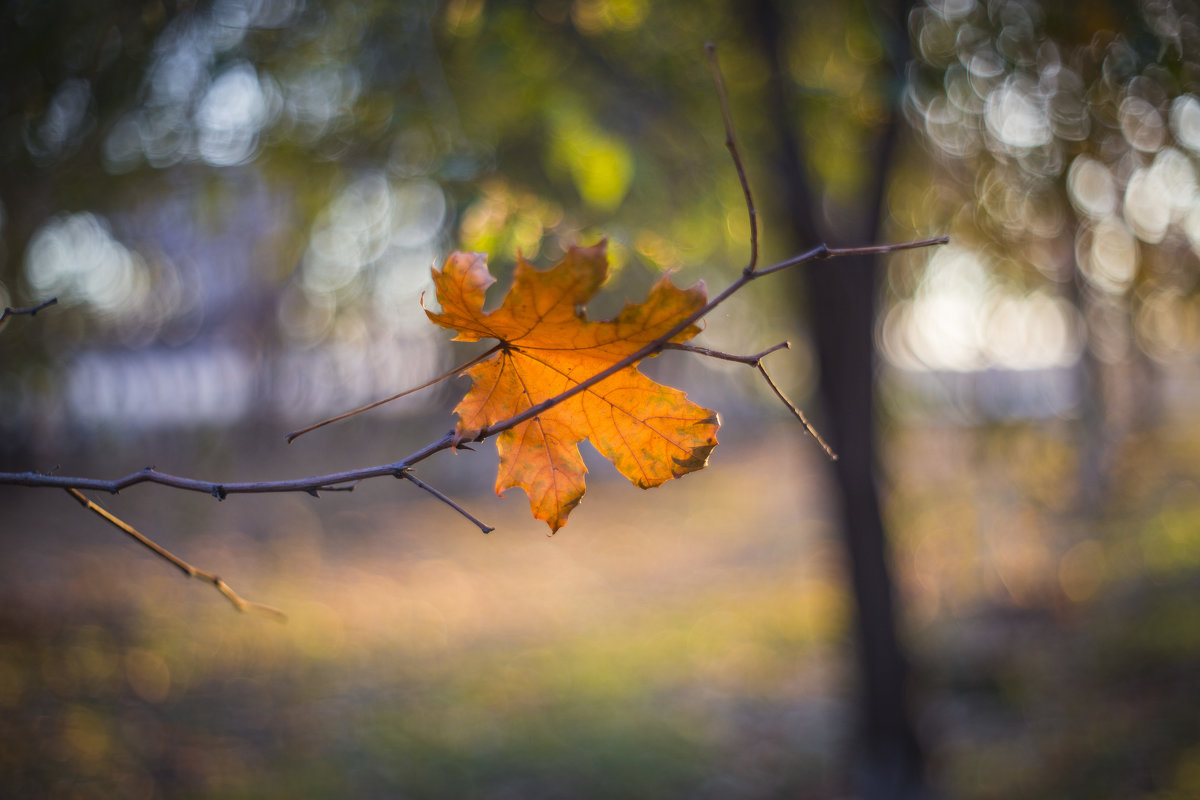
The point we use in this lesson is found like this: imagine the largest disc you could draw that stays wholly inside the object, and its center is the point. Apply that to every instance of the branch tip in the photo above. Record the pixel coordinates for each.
(797, 413)
(731, 145)
(407, 474)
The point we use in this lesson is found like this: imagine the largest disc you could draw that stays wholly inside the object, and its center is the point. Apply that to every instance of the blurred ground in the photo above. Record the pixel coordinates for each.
(687, 641)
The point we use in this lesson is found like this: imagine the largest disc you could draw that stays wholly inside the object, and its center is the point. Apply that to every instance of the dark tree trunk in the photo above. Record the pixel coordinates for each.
(842, 298)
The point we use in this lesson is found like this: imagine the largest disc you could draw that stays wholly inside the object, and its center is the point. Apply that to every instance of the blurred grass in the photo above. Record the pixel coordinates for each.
(662, 644)
(684, 642)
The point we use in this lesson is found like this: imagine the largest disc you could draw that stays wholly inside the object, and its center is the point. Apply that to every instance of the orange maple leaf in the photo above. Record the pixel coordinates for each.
(650, 432)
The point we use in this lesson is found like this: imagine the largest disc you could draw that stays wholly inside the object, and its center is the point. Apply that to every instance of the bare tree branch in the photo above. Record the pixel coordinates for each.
(333, 481)
(705, 351)
(338, 480)
(32, 311)
(239, 603)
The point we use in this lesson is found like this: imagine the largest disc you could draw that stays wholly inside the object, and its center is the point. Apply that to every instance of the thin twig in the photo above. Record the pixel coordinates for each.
(705, 351)
(407, 475)
(239, 603)
(31, 310)
(731, 145)
(291, 437)
(798, 413)
(822, 252)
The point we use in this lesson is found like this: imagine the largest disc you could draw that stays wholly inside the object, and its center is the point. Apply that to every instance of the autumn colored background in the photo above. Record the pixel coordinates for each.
(238, 203)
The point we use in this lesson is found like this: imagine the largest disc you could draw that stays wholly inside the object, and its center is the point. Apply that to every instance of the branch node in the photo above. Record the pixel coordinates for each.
(218, 491)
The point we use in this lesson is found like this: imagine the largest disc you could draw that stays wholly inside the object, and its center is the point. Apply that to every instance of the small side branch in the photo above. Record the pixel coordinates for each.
(30, 311)
(239, 603)
(822, 252)
(797, 413)
(731, 145)
(704, 351)
(408, 476)
(294, 435)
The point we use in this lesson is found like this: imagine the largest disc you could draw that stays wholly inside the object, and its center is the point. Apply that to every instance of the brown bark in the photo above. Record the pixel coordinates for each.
(842, 301)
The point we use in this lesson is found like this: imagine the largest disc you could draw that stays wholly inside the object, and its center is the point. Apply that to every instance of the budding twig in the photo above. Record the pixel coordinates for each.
(187, 569)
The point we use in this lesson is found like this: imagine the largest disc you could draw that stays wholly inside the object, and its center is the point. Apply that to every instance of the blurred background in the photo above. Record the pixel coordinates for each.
(237, 204)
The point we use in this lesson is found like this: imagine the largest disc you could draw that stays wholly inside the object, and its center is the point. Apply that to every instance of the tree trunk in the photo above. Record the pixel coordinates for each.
(842, 306)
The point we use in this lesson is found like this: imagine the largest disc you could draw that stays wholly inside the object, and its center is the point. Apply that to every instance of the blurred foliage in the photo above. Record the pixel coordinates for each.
(287, 171)
(255, 189)
(555, 122)
(1066, 138)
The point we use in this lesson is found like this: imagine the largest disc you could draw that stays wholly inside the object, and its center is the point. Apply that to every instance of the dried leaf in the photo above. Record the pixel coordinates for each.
(651, 432)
